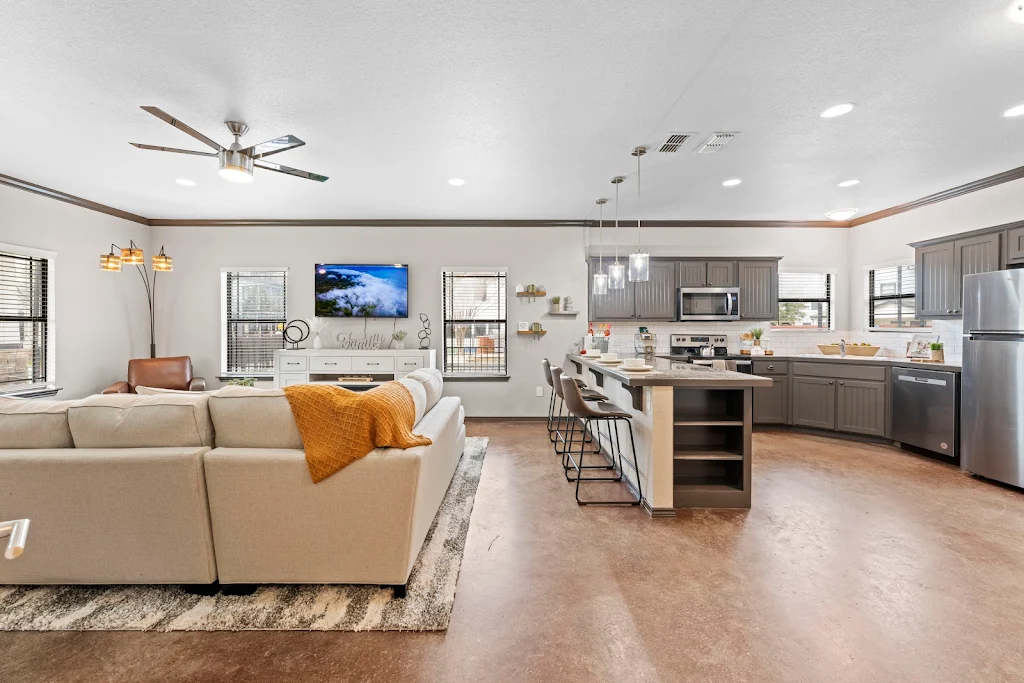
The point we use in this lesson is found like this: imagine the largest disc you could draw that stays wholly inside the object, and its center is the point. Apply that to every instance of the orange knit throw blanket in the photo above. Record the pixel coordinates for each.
(339, 426)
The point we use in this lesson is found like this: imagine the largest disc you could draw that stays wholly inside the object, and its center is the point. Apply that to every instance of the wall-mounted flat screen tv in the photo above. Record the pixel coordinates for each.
(357, 291)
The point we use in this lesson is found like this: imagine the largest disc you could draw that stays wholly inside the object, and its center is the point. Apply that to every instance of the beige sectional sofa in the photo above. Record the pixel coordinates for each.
(186, 488)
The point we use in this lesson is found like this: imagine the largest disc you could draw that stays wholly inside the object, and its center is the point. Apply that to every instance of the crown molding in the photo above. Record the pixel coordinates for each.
(70, 199)
(958, 191)
(951, 193)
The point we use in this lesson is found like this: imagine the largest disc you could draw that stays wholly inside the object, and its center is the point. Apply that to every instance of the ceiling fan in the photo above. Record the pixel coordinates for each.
(236, 162)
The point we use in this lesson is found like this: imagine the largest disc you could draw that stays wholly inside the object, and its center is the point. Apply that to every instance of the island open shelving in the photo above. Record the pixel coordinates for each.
(692, 427)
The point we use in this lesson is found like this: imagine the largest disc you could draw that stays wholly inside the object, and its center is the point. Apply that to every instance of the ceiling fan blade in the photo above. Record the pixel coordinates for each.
(271, 166)
(185, 128)
(281, 144)
(172, 149)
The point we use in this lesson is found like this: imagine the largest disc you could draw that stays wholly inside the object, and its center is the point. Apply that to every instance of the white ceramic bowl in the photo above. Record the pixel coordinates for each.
(609, 356)
(633, 363)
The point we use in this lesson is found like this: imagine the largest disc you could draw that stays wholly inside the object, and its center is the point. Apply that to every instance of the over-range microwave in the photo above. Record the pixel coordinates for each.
(708, 303)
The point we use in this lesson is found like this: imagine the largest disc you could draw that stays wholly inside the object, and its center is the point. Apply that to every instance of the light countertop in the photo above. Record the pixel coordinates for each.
(674, 373)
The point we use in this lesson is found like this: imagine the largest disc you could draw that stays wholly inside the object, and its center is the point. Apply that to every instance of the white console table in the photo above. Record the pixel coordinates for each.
(342, 367)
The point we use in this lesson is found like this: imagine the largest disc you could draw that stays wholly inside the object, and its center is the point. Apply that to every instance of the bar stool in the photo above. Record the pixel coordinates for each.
(570, 424)
(610, 415)
(546, 366)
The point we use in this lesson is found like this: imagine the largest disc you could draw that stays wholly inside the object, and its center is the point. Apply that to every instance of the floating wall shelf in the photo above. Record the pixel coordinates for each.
(531, 295)
(563, 312)
(536, 334)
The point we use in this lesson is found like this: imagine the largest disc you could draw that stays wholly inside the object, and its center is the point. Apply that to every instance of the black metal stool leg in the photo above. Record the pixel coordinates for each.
(617, 447)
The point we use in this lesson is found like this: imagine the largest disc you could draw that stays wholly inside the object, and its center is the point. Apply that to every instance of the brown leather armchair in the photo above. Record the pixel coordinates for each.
(161, 373)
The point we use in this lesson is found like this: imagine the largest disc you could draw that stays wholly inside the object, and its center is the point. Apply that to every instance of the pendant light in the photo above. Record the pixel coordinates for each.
(617, 271)
(639, 260)
(600, 287)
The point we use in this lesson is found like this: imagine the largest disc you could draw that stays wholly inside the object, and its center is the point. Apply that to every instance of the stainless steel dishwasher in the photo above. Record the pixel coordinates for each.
(926, 410)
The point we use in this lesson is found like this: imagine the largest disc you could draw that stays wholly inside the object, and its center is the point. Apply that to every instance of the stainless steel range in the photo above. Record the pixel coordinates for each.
(704, 349)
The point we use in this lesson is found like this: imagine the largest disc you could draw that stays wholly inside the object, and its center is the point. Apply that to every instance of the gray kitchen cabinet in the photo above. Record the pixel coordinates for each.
(813, 402)
(973, 255)
(860, 407)
(692, 273)
(771, 404)
(1014, 245)
(656, 298)
(617, 304)
(934, 275)
(721, 274)
(759, 289)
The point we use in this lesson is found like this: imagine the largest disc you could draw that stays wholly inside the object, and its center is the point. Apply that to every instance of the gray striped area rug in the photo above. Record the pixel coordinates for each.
(427, 606)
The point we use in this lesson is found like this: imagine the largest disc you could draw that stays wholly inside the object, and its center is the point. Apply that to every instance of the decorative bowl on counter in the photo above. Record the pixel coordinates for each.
(851, 349)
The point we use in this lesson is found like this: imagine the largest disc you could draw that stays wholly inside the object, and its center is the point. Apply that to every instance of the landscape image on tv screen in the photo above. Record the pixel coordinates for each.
(357, 291)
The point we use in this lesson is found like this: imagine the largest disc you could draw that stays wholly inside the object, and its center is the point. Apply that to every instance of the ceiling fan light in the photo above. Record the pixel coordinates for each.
(841, 214)
(110, 262)
(235, 166)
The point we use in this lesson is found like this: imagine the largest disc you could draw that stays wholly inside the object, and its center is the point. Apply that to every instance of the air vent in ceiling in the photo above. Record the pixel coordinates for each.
(715, 142)
(674, 142)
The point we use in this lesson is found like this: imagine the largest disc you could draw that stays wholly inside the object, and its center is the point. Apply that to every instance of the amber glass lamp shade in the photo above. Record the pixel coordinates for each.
(110, 262)
(162, 263)
(132, 256)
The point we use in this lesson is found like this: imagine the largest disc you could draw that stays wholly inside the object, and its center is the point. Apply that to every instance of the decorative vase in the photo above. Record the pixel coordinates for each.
(317, 344)
(555, 308)
(937, 355)
(757, 342)
(400, 345)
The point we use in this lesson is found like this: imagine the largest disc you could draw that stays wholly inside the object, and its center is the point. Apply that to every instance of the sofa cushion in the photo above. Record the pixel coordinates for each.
(433, 383)
(245, 417)
(152, 391)
(34, 423)
(133, 421)
(419, 397)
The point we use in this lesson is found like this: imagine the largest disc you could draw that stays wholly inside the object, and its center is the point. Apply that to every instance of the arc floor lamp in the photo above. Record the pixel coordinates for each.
(132, 255)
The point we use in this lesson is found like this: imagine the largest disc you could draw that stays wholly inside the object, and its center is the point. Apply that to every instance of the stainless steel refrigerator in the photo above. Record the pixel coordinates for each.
(992, 405)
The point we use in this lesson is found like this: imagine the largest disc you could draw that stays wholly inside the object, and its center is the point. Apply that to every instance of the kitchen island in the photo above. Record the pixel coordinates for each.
(692, 428)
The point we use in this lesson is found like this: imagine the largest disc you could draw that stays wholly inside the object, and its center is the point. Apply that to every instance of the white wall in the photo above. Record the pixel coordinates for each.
(102, 319)
(189, 322)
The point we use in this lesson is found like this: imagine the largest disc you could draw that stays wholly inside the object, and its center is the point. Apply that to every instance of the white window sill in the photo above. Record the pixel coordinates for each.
(476, 378)
(902, 330)
(819, 330)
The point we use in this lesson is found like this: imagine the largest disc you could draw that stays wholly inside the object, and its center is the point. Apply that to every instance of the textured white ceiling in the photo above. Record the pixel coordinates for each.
(536, 104)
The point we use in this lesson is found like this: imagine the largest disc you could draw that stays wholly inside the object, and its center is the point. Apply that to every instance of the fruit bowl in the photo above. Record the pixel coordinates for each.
(851, 349)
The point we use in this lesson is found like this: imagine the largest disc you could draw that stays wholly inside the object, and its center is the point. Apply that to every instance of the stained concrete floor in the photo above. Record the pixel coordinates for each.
(856, 563)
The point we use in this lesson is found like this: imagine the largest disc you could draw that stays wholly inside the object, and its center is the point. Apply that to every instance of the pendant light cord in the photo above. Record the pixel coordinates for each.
(617, 222)
(600, 239)
(638, 201)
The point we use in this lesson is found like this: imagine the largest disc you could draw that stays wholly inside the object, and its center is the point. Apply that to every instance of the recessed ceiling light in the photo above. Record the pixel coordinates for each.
(1015, 12)
(849, 183)
(1014, 111)
(841, 214)
(186, 182)
(837, 110)
(457, 182)
(732, 182)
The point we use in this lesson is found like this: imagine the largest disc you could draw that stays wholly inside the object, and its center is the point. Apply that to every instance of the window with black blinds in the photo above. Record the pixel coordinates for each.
(475, 325)
(891, 300)
(24, 303)
(256, 316)
(805, 301)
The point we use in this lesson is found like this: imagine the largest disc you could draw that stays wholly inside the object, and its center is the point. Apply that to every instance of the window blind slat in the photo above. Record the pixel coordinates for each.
(24, 326)
(891, 300)
(256, 316)
(475, 324)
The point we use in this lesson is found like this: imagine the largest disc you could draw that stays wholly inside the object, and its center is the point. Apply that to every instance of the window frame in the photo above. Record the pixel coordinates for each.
(460, 375)
(869, 272)
(50, 336)
(225, 373)
(830, 299)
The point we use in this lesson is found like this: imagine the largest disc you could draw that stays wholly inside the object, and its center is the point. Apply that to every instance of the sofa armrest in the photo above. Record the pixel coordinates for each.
(197, 384)
(118, 388)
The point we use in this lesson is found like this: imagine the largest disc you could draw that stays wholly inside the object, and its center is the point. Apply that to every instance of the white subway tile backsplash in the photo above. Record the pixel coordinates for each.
(788, 342)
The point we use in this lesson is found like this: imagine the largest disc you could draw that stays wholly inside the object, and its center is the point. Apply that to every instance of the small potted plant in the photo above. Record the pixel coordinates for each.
(756, 334)
(556, 302)
(937, 353)
(399, 338)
